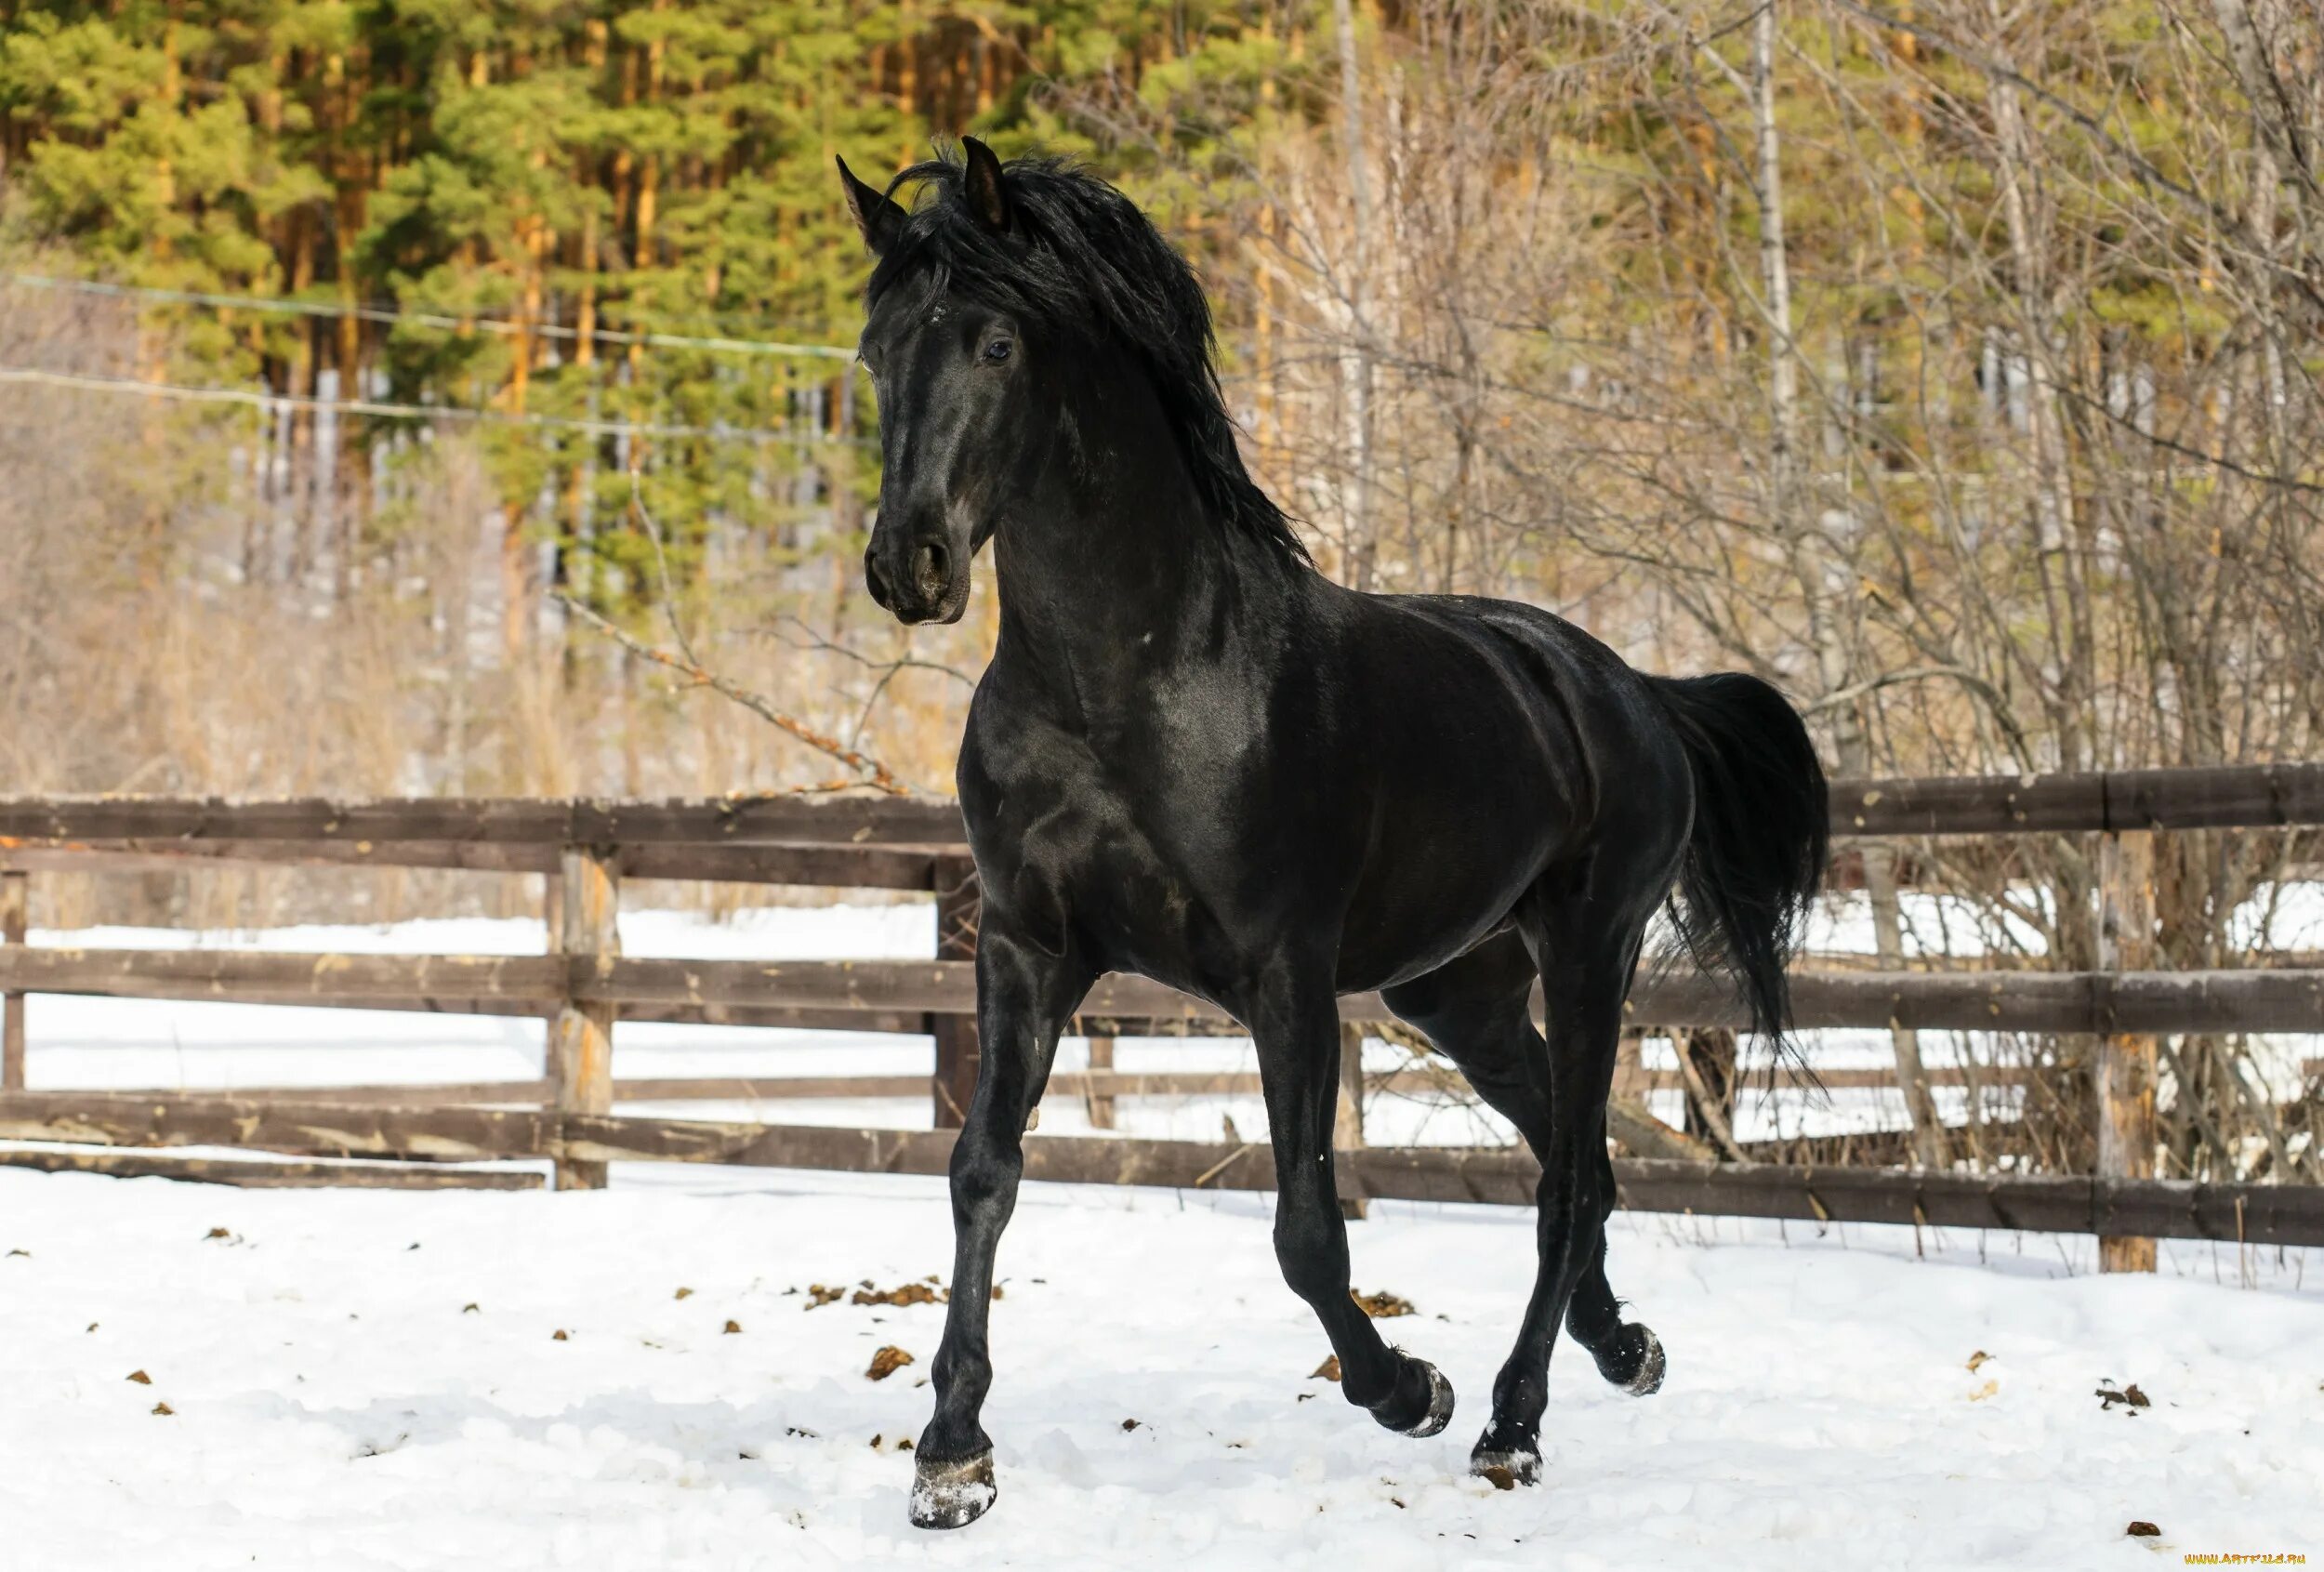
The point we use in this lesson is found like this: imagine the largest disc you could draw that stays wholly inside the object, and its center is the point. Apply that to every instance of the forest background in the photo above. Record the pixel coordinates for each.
(1953, 364)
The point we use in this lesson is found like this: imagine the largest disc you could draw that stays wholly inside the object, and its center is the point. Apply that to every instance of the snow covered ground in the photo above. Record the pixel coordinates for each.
(364, 1380)
(375, 1380)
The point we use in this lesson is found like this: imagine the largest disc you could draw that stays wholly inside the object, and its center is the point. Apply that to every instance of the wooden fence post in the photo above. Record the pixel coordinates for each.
(553, 911)
(581, 1042)
(959, 902)
(553, 935)
(1347, 1124)
(1101, 1105)
(2124, 1078)
(14, 912)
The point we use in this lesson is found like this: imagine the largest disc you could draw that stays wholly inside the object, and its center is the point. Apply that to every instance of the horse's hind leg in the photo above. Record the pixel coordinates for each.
(1475, 1010)
(1628, 1352)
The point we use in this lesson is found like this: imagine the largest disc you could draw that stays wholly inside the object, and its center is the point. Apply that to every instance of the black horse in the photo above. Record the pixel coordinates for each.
(1195, 758)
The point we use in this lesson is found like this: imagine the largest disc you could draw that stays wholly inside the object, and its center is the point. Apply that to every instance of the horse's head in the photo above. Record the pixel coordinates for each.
(959, 411)
(1021, 325)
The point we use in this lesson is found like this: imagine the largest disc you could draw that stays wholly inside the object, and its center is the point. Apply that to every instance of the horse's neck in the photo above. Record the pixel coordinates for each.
(1120, 580)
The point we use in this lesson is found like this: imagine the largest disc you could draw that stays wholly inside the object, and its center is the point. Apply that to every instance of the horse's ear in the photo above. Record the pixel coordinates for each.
(988, 197)
(878, 217)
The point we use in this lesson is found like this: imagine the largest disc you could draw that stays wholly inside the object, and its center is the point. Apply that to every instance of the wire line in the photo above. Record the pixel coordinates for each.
(85, 383)
(430, 319)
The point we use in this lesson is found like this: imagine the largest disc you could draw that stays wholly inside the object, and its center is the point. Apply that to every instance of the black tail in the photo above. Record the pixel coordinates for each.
(1761, 838)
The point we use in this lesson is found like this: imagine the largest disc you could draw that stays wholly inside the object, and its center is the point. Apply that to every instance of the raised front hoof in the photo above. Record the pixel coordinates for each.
(1505, 1467)
(1430, 1416)
(952, 1495)
(1634, 1360)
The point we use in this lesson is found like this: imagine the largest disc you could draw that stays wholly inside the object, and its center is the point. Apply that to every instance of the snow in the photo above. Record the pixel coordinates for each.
(333, 1402)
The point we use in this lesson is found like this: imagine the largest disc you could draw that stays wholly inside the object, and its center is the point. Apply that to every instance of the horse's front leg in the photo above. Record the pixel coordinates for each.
(1295, 1028)
(1023, 998)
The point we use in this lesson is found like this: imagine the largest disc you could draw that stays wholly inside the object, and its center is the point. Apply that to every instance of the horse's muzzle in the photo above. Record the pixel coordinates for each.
(932, 587)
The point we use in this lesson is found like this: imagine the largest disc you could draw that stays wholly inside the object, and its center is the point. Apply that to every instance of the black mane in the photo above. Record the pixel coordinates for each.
(1083, 263)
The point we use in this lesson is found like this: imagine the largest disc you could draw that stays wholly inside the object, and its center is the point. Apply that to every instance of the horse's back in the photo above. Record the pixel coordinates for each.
(1591, 719)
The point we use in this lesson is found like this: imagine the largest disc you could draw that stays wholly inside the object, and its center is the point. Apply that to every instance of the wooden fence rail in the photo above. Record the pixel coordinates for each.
(2258, 1215)
(1070, 1086)
(1067, 1084)
(488, 832)
(847, 867)
(896, 992)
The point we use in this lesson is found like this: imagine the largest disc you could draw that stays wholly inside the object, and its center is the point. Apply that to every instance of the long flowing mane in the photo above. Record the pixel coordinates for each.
(1082, 263)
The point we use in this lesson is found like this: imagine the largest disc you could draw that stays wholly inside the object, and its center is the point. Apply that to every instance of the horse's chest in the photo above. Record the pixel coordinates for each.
(1062, 848)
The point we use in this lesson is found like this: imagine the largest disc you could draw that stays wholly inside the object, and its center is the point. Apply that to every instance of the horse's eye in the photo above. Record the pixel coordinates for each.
(999, 349)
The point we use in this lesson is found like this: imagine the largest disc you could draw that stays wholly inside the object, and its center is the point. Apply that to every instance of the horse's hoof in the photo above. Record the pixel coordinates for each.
(1436, 1417)
(952, 1495)
(1505, 1469)
(1634, 1361)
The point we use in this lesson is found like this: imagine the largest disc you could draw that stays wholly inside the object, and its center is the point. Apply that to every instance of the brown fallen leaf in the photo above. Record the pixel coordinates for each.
(683, 1293)
(164, 1409)
(471, 1308)
(219, 1234)
(908, 1293)
(1383, 1305)
(1500, 1478)
(903, 1443)
(1977, 1359)
(560, 1335)
(1328, 1370)
(2141, 1528)
(2130, 1397)
(140, 1378)
(732, 1328)
(887, 1362)
(818, 1296)
(1129, 1425)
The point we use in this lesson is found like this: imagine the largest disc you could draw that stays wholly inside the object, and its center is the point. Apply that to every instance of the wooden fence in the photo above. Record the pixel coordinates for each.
(584, 987)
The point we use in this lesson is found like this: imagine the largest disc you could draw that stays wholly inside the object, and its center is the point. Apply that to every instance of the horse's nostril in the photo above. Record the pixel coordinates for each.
(873, 582)
(932, 567)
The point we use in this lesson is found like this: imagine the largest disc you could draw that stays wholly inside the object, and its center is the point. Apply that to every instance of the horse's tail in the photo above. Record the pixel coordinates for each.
(1761, 837)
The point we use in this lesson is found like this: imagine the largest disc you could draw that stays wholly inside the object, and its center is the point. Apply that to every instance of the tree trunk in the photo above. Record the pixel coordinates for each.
(1794, 513)
(1355, 356)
